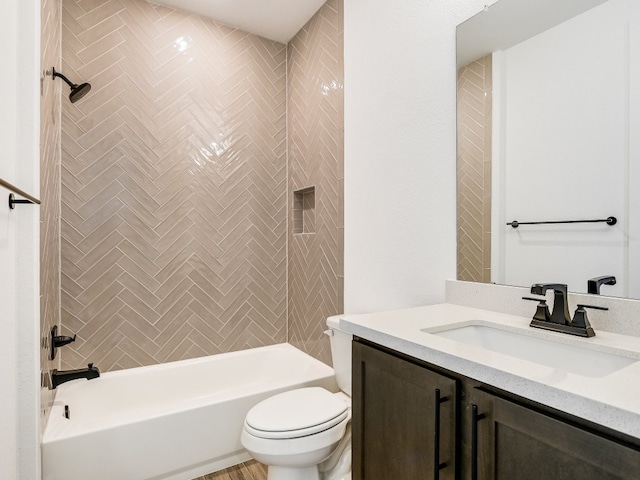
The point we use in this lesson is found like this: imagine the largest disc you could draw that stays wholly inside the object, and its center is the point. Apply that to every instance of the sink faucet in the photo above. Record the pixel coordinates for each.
(560, 313)
(593, 284)
(559, 320)
(61, 376)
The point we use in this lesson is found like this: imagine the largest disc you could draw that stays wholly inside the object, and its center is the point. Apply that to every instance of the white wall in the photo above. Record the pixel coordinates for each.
(19, 302)
(634, 146)
(8, 357)
(400, 157)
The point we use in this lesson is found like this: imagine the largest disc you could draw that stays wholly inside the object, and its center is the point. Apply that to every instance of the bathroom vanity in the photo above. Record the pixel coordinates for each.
(431, 406)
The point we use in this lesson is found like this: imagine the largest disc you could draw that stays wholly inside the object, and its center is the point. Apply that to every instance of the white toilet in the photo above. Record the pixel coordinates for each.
(304, 434)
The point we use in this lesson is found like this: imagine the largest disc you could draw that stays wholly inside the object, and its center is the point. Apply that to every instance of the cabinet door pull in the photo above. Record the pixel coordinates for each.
(437, 466)
(475, 418)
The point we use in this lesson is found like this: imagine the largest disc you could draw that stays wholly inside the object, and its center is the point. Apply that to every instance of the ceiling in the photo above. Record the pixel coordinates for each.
(505, 24)
(277, 20)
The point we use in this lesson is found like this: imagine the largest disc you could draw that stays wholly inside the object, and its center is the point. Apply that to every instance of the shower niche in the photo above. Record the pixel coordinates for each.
(304, 210)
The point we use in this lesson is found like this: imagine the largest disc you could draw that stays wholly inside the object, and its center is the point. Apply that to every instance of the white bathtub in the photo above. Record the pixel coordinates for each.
(173, 421)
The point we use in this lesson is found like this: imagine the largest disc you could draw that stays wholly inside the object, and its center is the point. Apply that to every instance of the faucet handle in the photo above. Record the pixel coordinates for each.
(542, 311)
(57, 341)
(580, 319)
(62, 340)
(594, 307)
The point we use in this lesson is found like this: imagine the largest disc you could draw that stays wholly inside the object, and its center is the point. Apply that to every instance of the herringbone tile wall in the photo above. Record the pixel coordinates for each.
(51, 34)
(316, 128)
(474, 171)
(174, 186)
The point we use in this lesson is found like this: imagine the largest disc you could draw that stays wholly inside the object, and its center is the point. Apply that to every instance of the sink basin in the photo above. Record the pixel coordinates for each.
(583, 361)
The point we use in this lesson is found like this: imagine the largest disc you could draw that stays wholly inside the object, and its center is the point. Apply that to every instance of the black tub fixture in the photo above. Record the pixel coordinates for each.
(61, 376)
(77, 91)
(57, 341)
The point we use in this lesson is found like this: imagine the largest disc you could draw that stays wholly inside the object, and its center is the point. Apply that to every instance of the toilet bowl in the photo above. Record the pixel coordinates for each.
(304, 434)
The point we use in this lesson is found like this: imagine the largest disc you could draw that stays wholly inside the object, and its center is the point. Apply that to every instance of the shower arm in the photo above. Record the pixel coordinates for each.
(55, 74)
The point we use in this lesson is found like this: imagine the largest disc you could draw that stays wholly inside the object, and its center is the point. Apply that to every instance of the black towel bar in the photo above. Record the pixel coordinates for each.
(17, 191)
(608, 221)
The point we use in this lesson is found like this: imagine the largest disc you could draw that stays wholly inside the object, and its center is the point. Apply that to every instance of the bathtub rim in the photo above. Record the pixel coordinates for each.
(59, 428)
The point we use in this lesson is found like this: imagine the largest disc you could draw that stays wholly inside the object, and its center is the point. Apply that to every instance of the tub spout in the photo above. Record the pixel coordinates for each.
(61, 376)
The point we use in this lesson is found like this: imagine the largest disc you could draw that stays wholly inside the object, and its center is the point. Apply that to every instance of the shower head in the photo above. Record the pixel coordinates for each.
(77, 91)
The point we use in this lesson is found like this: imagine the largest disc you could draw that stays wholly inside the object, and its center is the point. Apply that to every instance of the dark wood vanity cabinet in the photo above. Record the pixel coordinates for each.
(400, 428)
(404, 422)
(503, 440)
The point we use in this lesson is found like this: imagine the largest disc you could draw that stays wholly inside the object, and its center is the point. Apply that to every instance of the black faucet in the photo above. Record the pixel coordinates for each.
(57, 341)
(560, 312)
(593, 284)
(559, 320)
(61, 376)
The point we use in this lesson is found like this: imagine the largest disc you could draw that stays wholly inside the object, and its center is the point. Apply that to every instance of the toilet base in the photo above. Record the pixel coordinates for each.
(293, 473)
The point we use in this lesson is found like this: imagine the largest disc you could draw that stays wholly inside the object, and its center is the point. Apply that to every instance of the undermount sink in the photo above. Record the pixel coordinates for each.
(583, 361)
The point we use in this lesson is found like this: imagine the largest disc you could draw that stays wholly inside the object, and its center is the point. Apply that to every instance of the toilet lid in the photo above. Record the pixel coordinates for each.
(296, 413)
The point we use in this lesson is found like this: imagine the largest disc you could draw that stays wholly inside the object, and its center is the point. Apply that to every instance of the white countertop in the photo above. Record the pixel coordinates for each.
(612, 400)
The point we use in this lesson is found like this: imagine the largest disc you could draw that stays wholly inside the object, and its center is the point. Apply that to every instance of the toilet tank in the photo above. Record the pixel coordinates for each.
(340, 354)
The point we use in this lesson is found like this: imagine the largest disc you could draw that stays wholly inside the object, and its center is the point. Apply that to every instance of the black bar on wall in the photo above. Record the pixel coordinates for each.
(608, 221)
(17, 191)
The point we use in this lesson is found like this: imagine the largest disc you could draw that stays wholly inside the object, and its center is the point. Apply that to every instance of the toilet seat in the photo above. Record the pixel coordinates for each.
(296, 413)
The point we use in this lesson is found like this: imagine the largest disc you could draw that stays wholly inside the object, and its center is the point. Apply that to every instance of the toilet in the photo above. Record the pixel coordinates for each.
(305, 434)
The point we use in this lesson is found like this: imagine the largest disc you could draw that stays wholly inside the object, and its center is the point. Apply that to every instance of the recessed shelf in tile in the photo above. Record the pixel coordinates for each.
(304, 210)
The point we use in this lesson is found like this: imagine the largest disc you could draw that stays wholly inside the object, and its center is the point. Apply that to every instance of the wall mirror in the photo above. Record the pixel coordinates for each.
(548, 131)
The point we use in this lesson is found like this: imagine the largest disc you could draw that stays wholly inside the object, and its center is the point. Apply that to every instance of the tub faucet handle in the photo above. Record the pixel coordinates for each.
(57, 341)
(62, 340)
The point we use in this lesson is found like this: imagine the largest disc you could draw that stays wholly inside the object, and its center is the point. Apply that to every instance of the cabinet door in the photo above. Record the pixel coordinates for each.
(509, 441)
(403, 419)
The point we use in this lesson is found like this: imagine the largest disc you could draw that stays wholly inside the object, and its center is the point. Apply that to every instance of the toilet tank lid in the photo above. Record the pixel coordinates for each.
(333, 322)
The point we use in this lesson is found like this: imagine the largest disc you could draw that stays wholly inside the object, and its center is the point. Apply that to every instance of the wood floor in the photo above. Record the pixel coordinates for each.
(250, 470)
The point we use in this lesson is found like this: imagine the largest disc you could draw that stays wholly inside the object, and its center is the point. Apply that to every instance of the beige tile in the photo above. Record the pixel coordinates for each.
(101, 248)
(474, 173)
(50, 173)
(138, 348)
(88, 36)
(98, 12)
(97, 271)
(316, 158)
(100, 303)
(208, 241)
(104, 340)
(174, 343)
(107, 42)
(140, 253)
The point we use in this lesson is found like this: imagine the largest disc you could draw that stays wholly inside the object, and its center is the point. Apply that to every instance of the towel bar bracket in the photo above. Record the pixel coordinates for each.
(13, 201)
